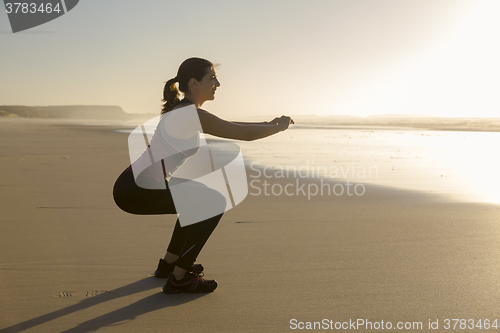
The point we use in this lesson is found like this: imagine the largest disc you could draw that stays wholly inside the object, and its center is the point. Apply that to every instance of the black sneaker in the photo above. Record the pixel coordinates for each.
(191, 283)
(164, 269)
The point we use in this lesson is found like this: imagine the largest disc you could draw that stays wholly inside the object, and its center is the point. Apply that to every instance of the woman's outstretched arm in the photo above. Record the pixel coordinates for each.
(274, 121)
(211, 124)
(251, 123)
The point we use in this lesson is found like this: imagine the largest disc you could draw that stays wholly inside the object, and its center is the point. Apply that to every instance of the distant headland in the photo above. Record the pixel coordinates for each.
(68, 112)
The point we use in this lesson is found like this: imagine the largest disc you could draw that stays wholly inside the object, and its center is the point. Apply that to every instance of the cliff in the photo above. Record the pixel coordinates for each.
(69, 111)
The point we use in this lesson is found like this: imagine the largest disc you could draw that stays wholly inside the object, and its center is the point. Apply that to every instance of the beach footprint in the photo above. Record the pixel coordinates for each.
(63, 294)
(81, 294)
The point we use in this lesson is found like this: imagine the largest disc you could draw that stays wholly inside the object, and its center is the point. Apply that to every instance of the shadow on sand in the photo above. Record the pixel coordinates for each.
(127, 313)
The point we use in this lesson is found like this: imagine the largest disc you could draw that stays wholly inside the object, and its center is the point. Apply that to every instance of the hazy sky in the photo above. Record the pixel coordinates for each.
(329, 57)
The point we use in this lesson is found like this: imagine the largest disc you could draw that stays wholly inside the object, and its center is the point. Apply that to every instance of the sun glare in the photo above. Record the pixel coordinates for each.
(467, 68)
(459, 76)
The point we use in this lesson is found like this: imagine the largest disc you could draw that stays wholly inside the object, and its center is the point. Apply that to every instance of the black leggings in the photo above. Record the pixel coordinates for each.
(187, 241)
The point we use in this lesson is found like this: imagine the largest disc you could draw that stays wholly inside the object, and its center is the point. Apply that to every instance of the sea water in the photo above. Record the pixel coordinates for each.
(459, 165)
(455, 164)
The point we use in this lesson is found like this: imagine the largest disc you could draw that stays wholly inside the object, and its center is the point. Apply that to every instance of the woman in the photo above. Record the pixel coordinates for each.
(142, 194)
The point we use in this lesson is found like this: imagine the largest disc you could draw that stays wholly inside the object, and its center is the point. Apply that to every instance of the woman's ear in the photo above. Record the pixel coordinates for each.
(193, 84)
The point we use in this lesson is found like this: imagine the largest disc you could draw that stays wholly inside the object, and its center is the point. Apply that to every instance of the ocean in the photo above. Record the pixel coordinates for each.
(455, 165)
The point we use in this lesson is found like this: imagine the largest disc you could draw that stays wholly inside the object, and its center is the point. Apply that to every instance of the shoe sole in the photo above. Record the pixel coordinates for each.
(175, 291)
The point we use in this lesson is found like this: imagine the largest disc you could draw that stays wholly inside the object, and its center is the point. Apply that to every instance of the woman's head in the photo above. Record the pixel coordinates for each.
(192, 68)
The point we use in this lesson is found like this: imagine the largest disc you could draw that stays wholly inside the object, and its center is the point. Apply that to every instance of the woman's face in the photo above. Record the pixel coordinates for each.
(208, 85)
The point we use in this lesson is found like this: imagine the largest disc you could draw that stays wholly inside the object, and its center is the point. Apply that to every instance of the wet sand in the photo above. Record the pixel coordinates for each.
(71, 261)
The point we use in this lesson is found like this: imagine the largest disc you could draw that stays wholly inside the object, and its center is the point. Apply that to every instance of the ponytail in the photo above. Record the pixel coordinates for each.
(170, 95)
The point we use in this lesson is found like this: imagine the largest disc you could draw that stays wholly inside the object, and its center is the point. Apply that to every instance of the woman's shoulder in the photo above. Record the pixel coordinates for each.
(182, 103)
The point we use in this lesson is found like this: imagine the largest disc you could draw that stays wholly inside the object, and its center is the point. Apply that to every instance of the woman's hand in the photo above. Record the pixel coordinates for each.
(274, 121)
(284, 121)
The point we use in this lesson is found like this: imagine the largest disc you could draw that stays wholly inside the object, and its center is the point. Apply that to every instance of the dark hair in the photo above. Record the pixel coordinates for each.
(191, 68)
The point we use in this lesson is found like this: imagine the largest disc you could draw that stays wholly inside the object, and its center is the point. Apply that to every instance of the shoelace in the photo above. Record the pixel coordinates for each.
(197, 270)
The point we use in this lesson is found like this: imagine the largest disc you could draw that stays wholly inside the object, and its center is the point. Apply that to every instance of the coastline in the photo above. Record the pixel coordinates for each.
(104, 115)
(72, 261)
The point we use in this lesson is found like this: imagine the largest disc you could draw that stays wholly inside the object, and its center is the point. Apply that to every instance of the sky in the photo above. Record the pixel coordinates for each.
(329, 57)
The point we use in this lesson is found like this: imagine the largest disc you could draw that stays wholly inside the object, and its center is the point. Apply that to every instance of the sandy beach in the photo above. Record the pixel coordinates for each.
(72, 261)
